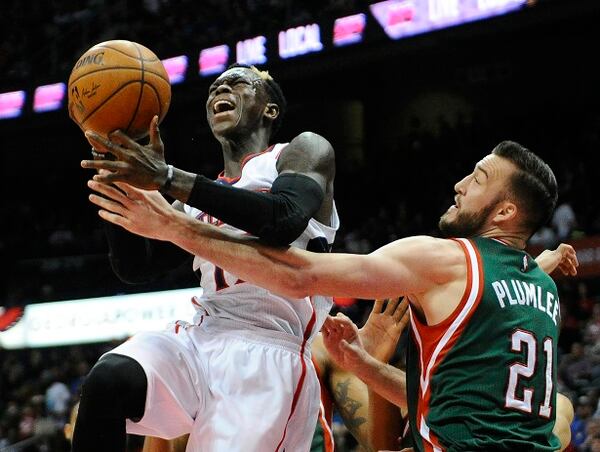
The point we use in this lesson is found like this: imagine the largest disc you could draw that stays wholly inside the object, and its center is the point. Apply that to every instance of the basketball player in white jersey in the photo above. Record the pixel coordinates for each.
(240, 377)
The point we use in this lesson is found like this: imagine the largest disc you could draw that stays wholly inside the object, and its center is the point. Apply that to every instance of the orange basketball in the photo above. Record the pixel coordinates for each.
(118, 85)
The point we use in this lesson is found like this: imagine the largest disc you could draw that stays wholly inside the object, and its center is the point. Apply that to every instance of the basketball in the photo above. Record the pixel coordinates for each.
(118, 84)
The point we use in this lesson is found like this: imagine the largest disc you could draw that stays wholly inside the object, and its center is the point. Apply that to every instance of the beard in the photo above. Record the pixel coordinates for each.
(466, 224)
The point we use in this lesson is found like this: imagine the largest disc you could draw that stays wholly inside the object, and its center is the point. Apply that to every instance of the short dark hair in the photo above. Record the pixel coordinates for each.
(273, 91)
(533, 184)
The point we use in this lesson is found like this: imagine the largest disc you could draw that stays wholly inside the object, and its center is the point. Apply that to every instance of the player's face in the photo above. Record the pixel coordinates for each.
(236, 103)
(477, 197)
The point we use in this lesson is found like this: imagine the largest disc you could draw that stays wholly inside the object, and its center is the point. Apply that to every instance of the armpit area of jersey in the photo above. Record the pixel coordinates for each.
(277, 218)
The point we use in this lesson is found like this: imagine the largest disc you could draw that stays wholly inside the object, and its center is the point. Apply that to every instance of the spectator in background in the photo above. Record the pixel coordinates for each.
(592, 432)
(575, 368)
(583, 412)
(594, 444)
(564, 220)
(3, 438)
(570, 329)
(585, 301)
(27, 422)
(58, 396)
(545, 237)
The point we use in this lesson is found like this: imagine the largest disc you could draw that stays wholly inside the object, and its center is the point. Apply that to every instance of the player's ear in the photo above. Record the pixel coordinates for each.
(505, 211)
(271, 111)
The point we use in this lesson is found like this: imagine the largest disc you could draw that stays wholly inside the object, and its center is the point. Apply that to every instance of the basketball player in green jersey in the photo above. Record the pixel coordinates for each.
(372, 422)
(484, 317)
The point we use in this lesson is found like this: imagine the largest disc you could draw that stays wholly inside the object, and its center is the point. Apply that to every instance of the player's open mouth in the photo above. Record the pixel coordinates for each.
(222, 106)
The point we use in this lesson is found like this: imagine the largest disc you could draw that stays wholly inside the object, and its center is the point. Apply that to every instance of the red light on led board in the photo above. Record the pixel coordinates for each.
(11, 104)
(395, 17)
(213, 60)
(176, 68)
(48, 97)
(349, 29)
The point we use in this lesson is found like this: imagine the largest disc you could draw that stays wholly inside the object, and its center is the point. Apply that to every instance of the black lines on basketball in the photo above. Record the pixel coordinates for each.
(148, 60)
(119, 68)
(113, 94)
(157, 98)
(139, 100)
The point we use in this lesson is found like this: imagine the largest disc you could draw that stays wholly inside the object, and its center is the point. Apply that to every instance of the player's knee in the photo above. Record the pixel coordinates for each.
(116, 383)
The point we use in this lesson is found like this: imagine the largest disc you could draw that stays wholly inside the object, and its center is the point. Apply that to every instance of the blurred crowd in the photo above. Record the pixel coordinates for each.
(59, 31)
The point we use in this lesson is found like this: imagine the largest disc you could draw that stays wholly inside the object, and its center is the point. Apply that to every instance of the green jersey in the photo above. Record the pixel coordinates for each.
(484, 379)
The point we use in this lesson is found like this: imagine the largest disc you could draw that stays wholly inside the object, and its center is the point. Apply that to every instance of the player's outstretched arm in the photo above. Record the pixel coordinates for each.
(563, 257)
(306, 170)
(410, 265)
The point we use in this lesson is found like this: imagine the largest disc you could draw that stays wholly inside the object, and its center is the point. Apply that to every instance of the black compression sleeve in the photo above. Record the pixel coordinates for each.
(278, 217)
(136, 259)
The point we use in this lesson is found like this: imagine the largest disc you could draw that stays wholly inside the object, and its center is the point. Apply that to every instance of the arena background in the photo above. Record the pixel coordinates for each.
(408, 116)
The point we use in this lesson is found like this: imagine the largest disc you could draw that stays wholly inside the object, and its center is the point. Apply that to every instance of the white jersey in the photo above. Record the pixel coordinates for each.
(226, 296)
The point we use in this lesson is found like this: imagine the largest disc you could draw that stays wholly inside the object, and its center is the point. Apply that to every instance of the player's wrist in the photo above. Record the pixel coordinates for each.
(168, 180)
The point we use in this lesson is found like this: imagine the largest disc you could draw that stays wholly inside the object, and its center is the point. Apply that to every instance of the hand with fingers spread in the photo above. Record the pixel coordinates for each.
(141, 212)
(135, 164)
(382, 330)
(563, 257)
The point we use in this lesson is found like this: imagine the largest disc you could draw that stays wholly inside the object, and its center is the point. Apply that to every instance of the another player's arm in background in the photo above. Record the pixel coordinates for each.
(153, 444)
(410, 265)
(563, 257)
(348, 393)
(564, 418)
(306, 170)
(380, 335)
(343, 342)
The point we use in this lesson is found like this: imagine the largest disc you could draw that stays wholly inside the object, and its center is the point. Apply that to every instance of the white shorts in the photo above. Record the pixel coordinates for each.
(230, 387)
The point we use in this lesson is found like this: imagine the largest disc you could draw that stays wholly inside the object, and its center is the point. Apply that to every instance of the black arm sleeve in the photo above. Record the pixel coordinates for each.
(277, 218)
(137, 260)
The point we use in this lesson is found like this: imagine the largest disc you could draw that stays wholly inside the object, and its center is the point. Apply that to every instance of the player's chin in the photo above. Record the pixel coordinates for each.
(449, 215)
(223, 127)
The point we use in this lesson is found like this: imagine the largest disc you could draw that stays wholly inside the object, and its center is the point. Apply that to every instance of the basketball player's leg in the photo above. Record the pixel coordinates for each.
(146, 386)
(266, 395)
(114, 390)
